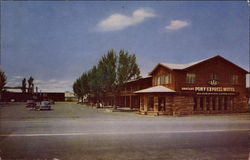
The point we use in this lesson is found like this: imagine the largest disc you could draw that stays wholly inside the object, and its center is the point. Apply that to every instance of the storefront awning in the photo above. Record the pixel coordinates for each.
(156, 89)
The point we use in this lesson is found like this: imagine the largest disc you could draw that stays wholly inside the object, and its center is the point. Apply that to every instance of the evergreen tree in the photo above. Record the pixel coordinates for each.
(127, 68)
(111, 72)
(107, 71)
(94, 83)
(80, 86)
(24, 85)
(3, 80)
(30, 84)
(77, 88)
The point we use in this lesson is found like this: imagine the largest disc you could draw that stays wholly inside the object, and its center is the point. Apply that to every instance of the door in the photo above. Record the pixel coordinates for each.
(162, 104)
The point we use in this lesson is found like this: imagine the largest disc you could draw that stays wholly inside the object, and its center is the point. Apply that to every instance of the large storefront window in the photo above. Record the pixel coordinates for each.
(190, 78)
(213, 103)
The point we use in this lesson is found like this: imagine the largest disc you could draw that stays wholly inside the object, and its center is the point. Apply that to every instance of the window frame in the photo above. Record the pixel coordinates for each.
(190, 78)
(235, 79)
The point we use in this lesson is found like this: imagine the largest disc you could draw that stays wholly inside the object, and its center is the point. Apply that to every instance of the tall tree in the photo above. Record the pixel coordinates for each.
(107, 70)
(106, 73)
(80, 86)
(127, 68)
(24, 85)
(110, 73)
(94, 83)
(84, 87)
(30, 84)
(3, 80)
(76, 88)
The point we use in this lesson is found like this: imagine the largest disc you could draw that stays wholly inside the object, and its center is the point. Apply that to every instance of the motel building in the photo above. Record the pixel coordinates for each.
(127, 98)
(213, 85)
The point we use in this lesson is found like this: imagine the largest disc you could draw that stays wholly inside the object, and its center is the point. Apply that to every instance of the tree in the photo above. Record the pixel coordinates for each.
(3, 80)
(30, 84)
(127, 68)
(84, 87)
(106, 74)
(94, 81)
(76, 88)
(24, 85)
(80, 86)
(107, 70)
(110, 73)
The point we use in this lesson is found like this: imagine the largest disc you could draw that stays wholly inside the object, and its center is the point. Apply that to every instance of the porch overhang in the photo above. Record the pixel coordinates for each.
(155, 89)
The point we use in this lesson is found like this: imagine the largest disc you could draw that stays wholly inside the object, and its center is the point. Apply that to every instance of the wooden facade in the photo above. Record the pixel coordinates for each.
(213, 85)
(126, 97)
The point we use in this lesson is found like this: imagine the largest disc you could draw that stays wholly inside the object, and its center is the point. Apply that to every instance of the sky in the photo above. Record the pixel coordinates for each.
(55, 42)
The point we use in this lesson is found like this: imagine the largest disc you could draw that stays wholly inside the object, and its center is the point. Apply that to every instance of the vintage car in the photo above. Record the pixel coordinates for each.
(51, 101)
(45, 105)
(30, 104)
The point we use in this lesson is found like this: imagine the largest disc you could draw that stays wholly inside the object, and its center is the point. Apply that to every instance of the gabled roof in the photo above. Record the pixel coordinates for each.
(182, 66)
(155, 89)
(172, 66)
(132, 80)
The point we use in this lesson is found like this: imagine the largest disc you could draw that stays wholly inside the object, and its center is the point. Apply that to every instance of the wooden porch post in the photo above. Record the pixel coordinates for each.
(156, 104)
(145, 103)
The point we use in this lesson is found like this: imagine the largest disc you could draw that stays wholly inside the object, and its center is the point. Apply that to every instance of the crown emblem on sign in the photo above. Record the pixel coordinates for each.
(213, 82)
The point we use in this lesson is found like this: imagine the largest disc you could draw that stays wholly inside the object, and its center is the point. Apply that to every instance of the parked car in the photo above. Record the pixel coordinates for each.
(51, 101)
(45, 105)
(30, 104)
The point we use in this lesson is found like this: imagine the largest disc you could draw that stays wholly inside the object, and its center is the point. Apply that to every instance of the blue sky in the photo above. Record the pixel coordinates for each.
(56, 41)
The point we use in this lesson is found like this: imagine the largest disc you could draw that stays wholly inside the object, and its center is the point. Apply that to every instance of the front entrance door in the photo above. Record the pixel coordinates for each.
(150, 103)
(162, 104)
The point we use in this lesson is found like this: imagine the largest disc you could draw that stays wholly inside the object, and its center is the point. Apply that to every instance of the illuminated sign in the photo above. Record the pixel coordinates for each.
(209, 89)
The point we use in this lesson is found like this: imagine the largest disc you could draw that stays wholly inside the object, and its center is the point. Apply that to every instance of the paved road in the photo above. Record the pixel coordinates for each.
(73, 131)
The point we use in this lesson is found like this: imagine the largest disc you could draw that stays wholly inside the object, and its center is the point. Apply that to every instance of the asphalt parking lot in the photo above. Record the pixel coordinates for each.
(74, 131)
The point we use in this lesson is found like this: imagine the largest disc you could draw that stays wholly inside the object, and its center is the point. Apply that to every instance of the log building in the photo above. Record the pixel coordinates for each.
(213, 85)
(126, 97)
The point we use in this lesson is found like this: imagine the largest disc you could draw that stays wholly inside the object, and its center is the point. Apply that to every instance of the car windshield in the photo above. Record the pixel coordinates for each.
(45, 103)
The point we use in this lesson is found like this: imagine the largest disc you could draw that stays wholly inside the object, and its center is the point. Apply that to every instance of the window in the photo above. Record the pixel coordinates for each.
(158, 80)
(155, 81)
(167, 79)
(162, 79)
(235, 79)
(190, 78)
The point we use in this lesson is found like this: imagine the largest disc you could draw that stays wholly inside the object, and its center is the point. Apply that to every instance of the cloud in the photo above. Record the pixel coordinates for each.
(54, 85)
(117, 21)
(17, 77)
(50, 85)
(14, 81)
(177, 24)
